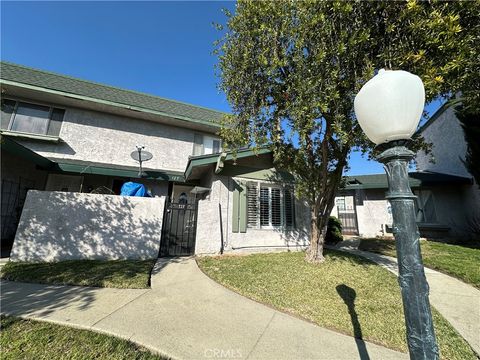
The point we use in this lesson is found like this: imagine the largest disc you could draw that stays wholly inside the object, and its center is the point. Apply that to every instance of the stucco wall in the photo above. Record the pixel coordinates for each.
(215, 215)
(448, 146)
(372, 212)
(58, 226)
(457, 207)
(105, 138)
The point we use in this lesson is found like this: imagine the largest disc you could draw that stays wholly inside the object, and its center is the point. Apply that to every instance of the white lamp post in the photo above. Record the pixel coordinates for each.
(388, 108)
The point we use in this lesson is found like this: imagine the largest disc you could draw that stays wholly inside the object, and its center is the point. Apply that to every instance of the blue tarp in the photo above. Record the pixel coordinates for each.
(133, 189)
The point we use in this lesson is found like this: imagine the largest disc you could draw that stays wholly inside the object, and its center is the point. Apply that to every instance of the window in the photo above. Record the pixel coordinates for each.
(425, 206)
(31, 118)
(203, 145)
(269, 206)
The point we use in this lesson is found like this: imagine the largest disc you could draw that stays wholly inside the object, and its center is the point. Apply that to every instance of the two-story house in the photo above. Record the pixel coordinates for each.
(71, 141)
(448, 199)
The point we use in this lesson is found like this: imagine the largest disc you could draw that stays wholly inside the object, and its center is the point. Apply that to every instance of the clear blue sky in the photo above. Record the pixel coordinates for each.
(162, 48)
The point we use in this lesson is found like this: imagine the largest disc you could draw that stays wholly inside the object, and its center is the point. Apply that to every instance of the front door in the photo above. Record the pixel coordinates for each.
(179, 229)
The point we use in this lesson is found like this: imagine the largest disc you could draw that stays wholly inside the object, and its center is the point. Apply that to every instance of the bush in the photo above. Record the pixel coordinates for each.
(334, 231)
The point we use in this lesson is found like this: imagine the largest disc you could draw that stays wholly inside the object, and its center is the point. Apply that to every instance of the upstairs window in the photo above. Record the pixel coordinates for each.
(31, 118)
(204, 145)
(269, 206)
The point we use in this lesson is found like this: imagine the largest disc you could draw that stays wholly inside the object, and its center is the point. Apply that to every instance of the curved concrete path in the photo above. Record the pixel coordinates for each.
(186, 315)
(458, 302)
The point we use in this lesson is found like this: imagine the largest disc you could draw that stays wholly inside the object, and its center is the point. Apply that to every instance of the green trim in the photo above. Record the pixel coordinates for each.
(15, 148)
(202, 160)
(50, 138)
(245, 172)
(235, 210)
(86, 168)
(111, 103)
(243, 208)
(415, 179)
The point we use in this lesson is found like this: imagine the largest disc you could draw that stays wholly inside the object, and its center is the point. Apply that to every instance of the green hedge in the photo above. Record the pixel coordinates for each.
(334, 231)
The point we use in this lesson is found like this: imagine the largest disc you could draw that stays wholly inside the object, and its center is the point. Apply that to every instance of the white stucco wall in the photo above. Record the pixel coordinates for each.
(448, 146)
(372, 213)
(457, 206)
(58, 226)
(106, 138)
(215, 214)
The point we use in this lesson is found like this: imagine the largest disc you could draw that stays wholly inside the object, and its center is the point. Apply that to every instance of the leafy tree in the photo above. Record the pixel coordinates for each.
(291, 70)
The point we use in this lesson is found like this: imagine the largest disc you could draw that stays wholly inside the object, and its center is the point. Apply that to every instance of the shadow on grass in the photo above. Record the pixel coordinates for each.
(348, 295)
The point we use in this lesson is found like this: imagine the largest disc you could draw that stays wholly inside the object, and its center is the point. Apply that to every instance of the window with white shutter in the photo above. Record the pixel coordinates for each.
(252, 205)
(269, 206)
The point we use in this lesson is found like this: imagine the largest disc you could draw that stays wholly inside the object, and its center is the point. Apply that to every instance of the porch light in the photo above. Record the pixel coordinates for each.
(388, 108)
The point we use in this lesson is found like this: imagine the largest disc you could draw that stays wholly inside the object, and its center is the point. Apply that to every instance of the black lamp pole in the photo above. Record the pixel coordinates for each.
(418, 317)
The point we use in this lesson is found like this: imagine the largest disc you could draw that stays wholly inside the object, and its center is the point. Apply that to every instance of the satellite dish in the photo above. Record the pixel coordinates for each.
(141, 155)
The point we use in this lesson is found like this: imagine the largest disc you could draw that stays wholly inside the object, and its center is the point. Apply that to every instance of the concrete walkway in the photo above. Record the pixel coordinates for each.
(186, 315)
(458, 302)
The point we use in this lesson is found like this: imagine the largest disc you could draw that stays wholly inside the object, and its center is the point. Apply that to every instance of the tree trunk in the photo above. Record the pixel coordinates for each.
(315, 251)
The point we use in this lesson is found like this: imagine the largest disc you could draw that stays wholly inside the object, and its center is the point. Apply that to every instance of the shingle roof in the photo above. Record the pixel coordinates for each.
(25, 75)
(416, 179)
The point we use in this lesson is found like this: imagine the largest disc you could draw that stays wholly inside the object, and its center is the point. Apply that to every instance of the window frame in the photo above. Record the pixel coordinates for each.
(51, 109)
(283, 225)
(203, 145)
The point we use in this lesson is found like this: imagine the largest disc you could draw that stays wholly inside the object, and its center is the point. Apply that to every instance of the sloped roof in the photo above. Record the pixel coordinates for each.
(416, 179)
(66, 84)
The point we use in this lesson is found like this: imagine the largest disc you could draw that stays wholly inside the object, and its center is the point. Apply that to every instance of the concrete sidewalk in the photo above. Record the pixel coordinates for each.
(458, 302)
(186, 315)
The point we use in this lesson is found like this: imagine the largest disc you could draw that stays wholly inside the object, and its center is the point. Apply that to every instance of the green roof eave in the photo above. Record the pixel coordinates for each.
(111, 103)
(101, 169)
(204, 160)
(415, 179)
(13, 147)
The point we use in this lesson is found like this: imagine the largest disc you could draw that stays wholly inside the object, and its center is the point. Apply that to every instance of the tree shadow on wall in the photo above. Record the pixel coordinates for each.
(58, 226)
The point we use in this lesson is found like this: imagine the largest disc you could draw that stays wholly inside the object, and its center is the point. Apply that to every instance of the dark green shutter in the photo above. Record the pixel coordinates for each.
(236, 196)
(239, 213)
(243, 208)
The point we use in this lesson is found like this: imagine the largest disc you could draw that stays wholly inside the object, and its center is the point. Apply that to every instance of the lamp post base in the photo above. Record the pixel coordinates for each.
(413, 283)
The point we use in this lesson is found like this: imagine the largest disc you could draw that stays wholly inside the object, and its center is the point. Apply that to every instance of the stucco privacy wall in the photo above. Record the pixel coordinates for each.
(106, 138)
(372, 212)
(58, 226)
(215, 223)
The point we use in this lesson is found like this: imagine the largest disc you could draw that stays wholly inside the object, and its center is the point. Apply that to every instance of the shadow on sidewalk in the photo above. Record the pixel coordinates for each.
(348, 295)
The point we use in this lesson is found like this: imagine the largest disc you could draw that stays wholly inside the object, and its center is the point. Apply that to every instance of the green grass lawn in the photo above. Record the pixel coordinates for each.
(346, 293)
(26, 339)
(456, 260)
(131, 274)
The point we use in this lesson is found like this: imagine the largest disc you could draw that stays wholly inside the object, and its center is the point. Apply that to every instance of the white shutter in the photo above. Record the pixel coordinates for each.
(252, 205)
(289, 201)
(276, 206)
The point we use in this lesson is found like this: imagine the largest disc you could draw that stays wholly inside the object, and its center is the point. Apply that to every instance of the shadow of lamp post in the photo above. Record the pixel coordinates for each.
(388, 108)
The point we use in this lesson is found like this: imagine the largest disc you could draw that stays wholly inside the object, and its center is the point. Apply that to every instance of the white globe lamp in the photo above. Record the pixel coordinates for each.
(389, 106)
